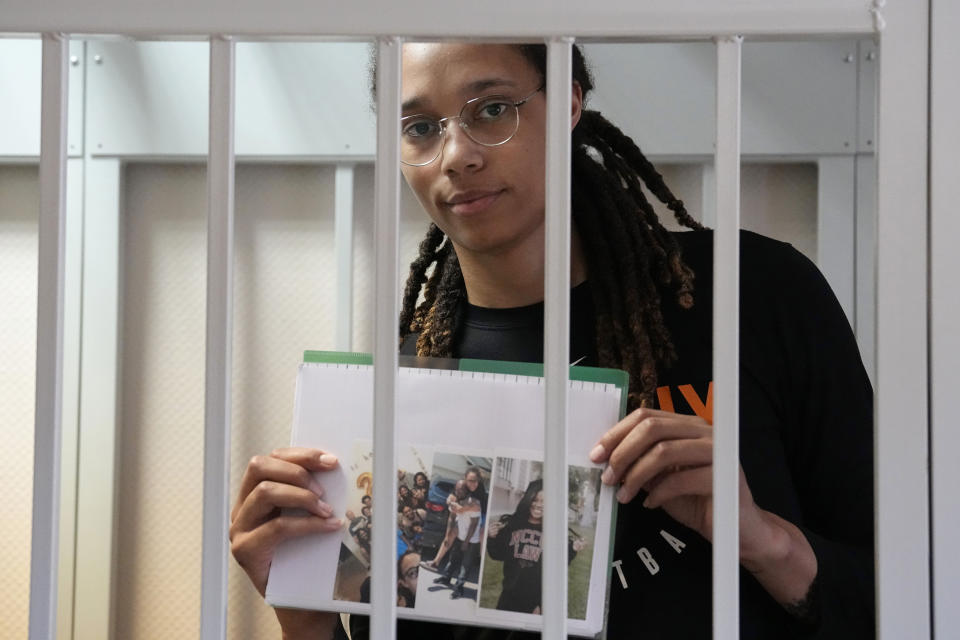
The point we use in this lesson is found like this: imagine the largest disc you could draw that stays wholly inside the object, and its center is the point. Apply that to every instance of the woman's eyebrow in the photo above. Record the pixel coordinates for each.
(472, 89)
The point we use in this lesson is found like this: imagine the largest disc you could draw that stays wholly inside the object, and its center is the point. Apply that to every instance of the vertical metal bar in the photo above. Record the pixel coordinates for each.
(44, 552)
(343, 248)
(383, 566)
(219, 338)
(944, 314)
(902, 390)
(726, 345)
(556, 337)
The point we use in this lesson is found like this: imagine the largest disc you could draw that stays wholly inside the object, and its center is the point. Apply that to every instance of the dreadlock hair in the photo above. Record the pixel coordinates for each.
(632, 260)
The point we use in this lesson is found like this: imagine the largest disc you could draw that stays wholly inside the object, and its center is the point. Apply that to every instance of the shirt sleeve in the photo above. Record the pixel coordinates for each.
(827, 435)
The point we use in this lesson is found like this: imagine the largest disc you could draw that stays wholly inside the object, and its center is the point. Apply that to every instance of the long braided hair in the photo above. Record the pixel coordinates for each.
(631, 259)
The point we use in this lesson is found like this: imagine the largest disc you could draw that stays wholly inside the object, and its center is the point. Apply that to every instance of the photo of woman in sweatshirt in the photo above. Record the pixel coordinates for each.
(514, 539)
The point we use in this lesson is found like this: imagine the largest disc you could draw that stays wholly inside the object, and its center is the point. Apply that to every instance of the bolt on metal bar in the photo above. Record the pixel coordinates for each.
(219, 339)
(45, 532)
(726, 346)
(556, 337)
(383, 566)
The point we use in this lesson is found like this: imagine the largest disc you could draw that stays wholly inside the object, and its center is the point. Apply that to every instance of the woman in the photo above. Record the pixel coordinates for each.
(806, 491)
(515, 541)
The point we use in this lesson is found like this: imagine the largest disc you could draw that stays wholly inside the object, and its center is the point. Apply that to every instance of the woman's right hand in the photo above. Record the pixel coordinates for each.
(494, 528)
(270, 483)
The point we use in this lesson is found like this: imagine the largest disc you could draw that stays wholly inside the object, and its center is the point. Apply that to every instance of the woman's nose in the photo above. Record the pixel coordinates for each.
(459, 152)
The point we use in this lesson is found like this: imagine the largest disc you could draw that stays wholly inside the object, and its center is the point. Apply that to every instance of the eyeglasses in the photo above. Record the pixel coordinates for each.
(488, 120)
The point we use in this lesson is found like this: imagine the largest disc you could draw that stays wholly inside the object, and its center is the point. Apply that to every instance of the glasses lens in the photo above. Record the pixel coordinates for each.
(419, 139)
(491, 120)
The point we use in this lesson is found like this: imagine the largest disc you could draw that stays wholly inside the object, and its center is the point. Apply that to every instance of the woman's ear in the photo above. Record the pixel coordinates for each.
(576, 104)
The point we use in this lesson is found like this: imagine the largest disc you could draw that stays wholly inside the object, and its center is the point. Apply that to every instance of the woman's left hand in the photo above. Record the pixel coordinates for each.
(670, 456)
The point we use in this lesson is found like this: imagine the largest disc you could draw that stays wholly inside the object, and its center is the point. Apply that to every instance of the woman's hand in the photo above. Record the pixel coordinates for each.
(670, 456)
(271, 483)
(494, 528)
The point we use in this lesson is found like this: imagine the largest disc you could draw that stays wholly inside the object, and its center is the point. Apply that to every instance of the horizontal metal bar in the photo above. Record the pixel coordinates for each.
(534, 19)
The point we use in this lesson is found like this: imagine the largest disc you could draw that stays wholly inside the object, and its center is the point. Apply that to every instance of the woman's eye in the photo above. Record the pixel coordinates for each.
(419, 129)
(491, 110)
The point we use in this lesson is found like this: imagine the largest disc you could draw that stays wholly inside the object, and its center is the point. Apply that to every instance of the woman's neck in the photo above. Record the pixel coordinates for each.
(513, 280)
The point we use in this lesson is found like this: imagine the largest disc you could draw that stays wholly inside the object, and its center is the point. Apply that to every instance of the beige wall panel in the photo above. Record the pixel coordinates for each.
(19, 206)
(162, 385)
(284, 303)
(413, 226)
(778, 200)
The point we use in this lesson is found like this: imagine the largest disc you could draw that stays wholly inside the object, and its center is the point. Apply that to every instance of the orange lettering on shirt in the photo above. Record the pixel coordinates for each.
(705, 411)
(665, 400)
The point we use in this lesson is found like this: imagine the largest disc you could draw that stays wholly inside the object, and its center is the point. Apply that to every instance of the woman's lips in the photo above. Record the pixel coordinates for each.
(471, 203)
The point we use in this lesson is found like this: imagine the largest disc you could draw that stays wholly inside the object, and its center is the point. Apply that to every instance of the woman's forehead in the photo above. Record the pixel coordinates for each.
(434, 71)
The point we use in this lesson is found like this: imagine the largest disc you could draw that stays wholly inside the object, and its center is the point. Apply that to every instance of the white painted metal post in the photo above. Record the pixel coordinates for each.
(726, 346)
(343, 250)
(901, 394)
(383, 566)
(96, 473)
(216, 442)
(944, 314)
(556, 337)
(44, 550)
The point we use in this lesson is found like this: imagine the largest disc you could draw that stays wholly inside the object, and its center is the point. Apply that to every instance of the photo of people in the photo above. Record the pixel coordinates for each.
(353, 569)
(511, 578)
(453, 531)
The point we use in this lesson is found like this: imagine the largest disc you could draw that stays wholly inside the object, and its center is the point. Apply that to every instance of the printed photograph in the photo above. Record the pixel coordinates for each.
(511, 574)
(353, 569)
(453, 530)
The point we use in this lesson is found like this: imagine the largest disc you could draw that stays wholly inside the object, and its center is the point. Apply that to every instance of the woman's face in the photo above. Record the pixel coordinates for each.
(488, 200)
(472, 481)
(536, 507)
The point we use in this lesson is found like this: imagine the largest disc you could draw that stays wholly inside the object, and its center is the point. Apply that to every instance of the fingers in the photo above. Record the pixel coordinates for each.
(268, 496)
(697, 481)
(290, 465)
(253, 549)
(644, 427)
(664, 457)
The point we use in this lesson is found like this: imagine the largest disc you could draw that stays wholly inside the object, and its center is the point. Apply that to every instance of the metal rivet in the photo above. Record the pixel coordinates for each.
(74, 60)
(872, 55)
(98, 59)
(848, 58)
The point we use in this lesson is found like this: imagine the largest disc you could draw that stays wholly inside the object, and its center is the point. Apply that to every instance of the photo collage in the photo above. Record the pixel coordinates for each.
(468, 528)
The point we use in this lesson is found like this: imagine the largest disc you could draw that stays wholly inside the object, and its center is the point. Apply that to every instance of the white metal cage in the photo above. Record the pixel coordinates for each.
(916, 310)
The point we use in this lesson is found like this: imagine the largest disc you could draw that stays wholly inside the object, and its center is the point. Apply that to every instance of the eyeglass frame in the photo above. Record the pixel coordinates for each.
(442, 123)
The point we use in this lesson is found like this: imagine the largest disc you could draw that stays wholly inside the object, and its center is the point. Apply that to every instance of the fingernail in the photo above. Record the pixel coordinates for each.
(325, 509)
(596, 454)
(316, 488)
(328, 459)
(607, 476)
(336, 522)
(622, 495)
(646, 502)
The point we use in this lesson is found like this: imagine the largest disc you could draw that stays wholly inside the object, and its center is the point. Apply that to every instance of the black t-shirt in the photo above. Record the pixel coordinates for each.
(806, 448)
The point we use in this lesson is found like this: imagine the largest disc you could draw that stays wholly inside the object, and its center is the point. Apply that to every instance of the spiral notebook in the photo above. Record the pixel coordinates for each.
(469, 505)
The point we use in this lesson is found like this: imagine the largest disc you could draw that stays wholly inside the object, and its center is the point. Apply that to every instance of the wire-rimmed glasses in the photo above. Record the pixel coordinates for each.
(487, 120)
